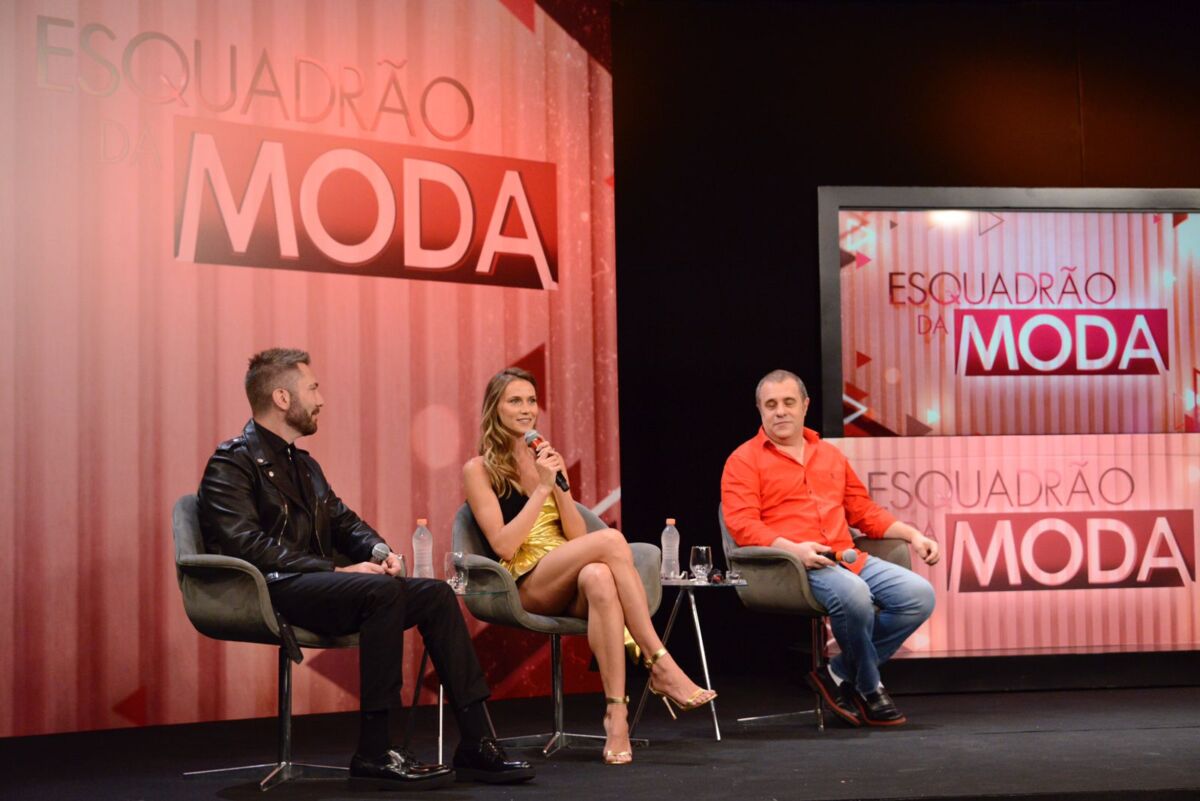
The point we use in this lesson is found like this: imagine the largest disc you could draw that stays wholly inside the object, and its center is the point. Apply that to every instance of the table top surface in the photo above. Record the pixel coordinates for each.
(701, 584)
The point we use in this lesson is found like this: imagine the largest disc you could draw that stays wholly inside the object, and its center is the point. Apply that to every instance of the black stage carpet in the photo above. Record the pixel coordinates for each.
(1081, 744)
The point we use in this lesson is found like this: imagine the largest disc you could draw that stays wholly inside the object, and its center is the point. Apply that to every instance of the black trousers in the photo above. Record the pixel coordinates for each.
(380, 609)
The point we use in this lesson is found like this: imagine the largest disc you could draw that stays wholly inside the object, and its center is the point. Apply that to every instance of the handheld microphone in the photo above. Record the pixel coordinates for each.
(848, 556)
(533, 439)
(381, 552)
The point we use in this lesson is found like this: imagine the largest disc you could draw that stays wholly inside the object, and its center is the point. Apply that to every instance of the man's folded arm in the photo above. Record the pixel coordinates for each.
(229, 521)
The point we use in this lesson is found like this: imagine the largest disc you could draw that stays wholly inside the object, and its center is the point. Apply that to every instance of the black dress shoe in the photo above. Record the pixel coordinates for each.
(485, 761)
(823, 684)
(878, 709)
(397, 770)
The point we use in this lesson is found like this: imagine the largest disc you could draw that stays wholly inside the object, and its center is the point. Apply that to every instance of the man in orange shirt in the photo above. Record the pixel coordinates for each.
(786, 488)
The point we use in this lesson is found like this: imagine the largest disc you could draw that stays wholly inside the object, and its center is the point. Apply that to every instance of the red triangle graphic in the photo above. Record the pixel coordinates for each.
(133, 707)
(522, 10)
(574, 478)
(989, 220)
(860, 358)
(535, 362)
(861, 259)
(914, 427)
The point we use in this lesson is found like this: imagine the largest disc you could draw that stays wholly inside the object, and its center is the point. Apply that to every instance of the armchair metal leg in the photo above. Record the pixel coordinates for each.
(284, 769)
(552, 741)
(817, 634)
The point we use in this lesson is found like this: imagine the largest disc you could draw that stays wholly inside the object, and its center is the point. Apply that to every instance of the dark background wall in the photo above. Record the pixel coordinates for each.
(729, 115)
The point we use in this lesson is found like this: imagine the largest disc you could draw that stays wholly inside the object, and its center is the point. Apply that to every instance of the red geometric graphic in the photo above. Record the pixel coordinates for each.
(522, 10)
(988, 221)
(133, 707)
(854, 392)
(914, 427)
(535, 362)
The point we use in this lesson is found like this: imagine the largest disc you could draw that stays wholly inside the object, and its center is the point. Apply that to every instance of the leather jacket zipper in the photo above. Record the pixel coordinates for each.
(284, 527)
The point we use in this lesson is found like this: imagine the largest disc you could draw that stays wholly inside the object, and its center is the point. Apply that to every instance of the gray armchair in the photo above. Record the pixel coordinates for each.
(777, 582)
(493, 598)
(226, 598)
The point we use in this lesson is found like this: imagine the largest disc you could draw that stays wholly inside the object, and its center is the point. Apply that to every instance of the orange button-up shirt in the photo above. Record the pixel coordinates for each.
(766, 494)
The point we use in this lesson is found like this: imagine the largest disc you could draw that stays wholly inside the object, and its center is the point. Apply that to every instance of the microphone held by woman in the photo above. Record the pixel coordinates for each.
(533, 439)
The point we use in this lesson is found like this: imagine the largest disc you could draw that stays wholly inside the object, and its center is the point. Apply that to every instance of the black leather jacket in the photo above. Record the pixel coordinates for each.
(250, 509)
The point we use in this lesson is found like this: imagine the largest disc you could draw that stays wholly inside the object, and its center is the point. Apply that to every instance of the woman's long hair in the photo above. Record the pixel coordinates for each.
(496, 441)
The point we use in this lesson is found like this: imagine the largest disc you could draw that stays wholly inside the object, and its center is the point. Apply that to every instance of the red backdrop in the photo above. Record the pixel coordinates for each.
(124, 358)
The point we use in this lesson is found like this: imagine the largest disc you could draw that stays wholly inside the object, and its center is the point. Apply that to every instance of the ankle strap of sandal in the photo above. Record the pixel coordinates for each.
(654, 657)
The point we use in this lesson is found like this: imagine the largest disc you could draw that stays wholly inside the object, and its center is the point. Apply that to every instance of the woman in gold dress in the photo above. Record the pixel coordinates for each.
(539, 535)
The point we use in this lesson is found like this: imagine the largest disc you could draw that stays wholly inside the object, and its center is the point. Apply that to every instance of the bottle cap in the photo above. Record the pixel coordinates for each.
(670, 521)
(422, 521)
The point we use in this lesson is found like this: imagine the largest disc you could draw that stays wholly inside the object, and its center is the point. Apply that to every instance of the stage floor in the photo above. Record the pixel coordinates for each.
(1101, 744)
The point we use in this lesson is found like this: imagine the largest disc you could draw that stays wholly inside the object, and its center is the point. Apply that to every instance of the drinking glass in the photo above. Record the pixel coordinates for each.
(455, 572)
(701, 562)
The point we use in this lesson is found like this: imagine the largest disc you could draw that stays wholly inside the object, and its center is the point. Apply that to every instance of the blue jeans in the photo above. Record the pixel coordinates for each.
(869, 638)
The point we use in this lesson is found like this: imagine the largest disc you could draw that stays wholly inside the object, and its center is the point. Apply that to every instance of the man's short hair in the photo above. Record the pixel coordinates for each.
(774, 377)
(268, 372)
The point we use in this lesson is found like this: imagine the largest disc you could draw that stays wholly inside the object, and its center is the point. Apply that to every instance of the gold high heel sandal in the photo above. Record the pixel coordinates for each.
(697, 699)
(618, 757)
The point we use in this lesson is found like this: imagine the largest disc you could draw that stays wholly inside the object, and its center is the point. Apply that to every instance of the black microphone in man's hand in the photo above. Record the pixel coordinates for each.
(533, 439)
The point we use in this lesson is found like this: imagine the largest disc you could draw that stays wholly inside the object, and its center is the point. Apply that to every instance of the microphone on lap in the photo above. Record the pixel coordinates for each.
(533, 439)
(381, 552)
(849, 556)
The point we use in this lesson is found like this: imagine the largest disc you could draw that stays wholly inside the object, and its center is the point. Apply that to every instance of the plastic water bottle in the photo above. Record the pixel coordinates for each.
(670, 550)
(422, 543)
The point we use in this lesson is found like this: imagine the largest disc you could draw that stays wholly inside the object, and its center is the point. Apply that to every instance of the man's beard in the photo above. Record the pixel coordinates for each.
(300, 419)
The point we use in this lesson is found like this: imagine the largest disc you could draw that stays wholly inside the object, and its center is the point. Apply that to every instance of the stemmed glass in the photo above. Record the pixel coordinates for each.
(455, 572)
(701, 563)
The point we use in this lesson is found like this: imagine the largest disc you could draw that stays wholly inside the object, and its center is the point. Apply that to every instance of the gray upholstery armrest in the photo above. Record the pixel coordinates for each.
(487, 576)
(502, 603)
(647, 559)
(226, 598)
(776, 581)
(890, 550)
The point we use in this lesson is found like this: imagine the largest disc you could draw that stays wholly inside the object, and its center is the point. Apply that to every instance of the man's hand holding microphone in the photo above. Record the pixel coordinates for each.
(383, 561)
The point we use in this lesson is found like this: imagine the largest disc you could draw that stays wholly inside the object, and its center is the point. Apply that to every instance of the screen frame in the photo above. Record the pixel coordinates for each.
(832, 200)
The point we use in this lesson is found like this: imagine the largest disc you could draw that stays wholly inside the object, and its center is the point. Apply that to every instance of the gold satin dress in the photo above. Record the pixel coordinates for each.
(544, 537)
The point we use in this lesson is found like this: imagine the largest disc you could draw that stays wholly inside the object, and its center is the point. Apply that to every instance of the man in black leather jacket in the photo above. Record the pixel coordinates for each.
(268, 502)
